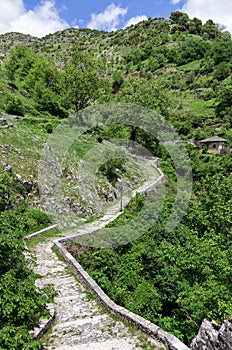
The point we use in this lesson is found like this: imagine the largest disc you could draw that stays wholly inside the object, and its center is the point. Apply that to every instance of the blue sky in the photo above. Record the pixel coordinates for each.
(41, 17)
(76, 11)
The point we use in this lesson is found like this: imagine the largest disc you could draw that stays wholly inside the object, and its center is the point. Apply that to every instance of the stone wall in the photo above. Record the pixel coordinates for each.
(160, 179)
(210, 335)
(170, 341)
(50, 228)
(45, 324)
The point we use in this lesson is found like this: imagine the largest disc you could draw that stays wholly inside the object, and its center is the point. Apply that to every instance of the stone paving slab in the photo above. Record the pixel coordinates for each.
(81, 323)
(116, 344)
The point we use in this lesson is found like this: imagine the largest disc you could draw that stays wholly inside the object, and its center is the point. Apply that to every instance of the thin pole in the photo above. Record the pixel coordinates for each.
(121, 207)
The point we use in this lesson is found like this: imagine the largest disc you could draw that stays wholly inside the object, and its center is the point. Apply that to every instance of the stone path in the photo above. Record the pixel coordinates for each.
(81, 323)
(113, 211)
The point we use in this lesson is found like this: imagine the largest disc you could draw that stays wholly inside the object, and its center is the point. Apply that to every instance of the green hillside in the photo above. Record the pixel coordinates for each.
(179, 68)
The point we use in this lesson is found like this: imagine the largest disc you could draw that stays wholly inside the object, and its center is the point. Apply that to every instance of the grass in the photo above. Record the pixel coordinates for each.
(197, 105)
(191, 66)
(143, 339)
(83, 145)
(21, 147)
(49, 292)
(145, 344)
(33, 242)
(129, 212)
(200, 106)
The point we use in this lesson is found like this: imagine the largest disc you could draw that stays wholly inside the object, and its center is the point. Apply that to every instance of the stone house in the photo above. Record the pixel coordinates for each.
(215, 145)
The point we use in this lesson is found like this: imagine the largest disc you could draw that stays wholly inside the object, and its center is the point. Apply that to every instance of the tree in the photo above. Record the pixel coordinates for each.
(221, 51)
(195, 26)
(20, 61)
(211, 29)
(148, 94)
(14, 104)
(224, 98)
(179, 17)
(80, 80)
(118, 80)
(37, 78)
(221, 71)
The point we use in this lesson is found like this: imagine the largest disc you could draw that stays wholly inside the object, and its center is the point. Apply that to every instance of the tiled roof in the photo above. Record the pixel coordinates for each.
(214, 139)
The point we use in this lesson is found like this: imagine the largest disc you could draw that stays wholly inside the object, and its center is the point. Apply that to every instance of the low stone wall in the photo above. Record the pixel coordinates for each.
(151, 188)
(170, 341)
(45, 324)
(41, 232)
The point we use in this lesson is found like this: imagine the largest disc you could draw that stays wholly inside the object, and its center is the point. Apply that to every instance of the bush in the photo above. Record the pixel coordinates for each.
(222, 71)
(14, 105)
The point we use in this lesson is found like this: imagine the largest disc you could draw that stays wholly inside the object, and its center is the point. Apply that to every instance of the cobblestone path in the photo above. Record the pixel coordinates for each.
(81, 323)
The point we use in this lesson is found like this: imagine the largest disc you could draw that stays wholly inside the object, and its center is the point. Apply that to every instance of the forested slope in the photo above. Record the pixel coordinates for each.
(179, 68)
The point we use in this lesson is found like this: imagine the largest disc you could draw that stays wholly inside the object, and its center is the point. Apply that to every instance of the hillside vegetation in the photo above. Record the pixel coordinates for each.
(179, 68)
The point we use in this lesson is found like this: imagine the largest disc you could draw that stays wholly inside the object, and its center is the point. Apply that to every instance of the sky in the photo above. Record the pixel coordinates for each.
(42, 17)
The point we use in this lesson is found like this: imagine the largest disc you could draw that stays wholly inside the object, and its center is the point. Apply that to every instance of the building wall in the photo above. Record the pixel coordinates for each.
(213, 147)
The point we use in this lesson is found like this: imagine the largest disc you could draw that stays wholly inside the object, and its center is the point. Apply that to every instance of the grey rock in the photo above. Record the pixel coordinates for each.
(225, 335)
(9, 125)
(213, 337)
(28, 185)
(19, 177)
(67, 202)
(7, 168)
(3, 122)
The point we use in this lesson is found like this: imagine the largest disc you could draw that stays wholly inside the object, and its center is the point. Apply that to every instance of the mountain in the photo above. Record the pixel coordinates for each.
(178, 68)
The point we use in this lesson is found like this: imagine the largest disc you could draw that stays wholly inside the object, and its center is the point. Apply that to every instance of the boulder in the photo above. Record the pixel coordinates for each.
(213, 337)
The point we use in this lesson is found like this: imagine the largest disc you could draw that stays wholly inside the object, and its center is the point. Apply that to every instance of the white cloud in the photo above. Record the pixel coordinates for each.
(175, 2)
(40, 21)
(107, 20)
(136, 19)
(217, 10)
(9, 11)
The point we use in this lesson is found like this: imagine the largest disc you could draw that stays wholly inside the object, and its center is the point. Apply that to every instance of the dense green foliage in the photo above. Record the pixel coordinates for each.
(21, 306)
(176, 279)
(37, 86)
(179, 68)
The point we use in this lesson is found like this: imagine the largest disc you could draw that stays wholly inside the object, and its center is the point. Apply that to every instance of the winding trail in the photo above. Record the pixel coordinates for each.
(81, 323)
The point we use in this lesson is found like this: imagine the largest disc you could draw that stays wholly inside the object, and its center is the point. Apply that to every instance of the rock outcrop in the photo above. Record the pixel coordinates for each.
(213, 337)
